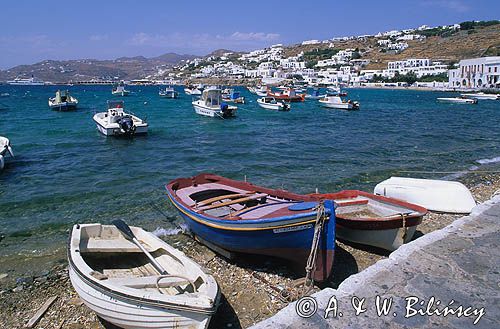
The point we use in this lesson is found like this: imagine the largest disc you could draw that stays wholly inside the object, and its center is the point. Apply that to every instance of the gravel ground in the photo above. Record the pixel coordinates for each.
(252, 287)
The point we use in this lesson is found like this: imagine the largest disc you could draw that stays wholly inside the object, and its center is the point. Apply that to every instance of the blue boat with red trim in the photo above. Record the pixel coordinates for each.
(239, 217)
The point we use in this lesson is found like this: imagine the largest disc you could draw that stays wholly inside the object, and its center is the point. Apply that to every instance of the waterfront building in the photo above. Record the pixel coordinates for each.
(482, 72)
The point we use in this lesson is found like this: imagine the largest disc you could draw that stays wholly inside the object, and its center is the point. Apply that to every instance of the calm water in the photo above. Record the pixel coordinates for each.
(66, 172)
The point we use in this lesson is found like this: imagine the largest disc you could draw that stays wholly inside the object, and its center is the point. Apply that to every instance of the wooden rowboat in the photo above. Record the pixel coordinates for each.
(238, 217)
(374, 220)
(116, 280)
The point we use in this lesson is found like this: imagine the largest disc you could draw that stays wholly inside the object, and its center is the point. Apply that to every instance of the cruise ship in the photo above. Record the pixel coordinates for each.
(26, 82)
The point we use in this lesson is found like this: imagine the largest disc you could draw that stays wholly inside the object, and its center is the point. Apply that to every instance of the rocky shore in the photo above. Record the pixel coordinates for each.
(253, 288)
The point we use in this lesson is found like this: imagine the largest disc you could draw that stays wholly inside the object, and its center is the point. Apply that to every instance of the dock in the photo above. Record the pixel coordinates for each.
(453, 271)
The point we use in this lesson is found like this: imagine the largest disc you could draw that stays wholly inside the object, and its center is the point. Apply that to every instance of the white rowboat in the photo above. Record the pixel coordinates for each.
(435, 195)
(115, 279)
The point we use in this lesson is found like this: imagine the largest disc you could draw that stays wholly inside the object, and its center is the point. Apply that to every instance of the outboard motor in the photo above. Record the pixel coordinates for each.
(226, 112)
(127, 125)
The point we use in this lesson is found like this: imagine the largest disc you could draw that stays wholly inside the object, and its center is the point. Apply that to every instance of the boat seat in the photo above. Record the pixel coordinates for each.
(148, 282)
(227, 203)
(113, 245)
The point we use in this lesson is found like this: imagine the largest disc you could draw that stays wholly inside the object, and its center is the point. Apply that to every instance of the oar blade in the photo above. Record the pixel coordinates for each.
(124, 228)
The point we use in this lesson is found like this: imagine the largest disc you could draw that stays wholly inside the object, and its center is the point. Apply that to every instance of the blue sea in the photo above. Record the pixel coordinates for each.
(65, 172)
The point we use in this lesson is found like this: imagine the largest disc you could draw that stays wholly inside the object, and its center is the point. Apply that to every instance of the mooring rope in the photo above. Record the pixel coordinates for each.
(311, 261)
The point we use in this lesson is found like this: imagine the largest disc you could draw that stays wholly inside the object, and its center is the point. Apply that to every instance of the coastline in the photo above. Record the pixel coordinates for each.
(250, 287)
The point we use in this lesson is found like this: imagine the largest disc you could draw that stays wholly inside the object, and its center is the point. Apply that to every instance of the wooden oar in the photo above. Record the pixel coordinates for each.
(227, 203)
(222, 197)
(127, 233)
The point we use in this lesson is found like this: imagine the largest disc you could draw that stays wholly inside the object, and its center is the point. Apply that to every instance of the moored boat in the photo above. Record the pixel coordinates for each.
(374, 220)
(338, 103)
(168, 92)
(270, 103)
(63, 101)
(233, 96)
(119, 90)
(288, 95)
(5, 148)
(115, 122)
(261, 91)
(118, 281)
(435, 195)
(238, 217)
(315, 94)
(210, 104)
(482, 96)
(458, 100)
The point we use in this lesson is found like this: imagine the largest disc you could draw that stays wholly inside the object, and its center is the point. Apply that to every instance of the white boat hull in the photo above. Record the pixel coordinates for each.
(206, 111)
(130, 314)
(343, 106)
(115, 130)
(482, 96)
(120, 93)
(457, 100)
(390, 239)
(435, 195)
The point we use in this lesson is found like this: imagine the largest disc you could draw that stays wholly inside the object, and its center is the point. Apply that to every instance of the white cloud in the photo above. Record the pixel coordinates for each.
(455, 5)
(257, 36)
(98, 37)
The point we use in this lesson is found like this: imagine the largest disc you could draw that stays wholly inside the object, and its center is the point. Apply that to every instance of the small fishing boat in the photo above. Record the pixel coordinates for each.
(435, 195)
(5, 148)
(288, 95)
(458, 100)
(119, 90)
(115, 122)
(482, 96)
(63, 101)
(374, 220)
(335, 91)
(168, 92)
(191, 90)
(261, 91)
(336, 102)
(231, 216)
(315, 94)
(270, 103)
(210, 104)
(233, 96)
(135, 280)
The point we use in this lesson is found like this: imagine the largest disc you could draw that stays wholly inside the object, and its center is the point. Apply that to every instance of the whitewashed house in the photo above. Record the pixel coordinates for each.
(482, 72)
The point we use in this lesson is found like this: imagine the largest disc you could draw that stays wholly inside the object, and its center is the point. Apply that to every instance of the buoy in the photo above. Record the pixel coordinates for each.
(145, 103)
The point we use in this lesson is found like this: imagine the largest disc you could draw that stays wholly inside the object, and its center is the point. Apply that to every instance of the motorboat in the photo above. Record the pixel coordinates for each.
(119, 90)
(315, 94)
(193, 90)
(168, 92)
(374, 220)
(231, 217)
(482, 95)
(458, 100)
(115, 122)
(270, 103)
(338, 103)
(335, 91)
(261, 91)
(63, 101)
(5, 148)
(211, 104)
(288, 95)
(141, 282)
(435, 195)
(233, 96)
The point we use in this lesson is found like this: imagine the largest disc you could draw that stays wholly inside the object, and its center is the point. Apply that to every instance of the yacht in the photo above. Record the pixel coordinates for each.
(338, 103)
(120, 90)
(115, 122)
(4, 149)
(210, 104)
(63, 101)
(168, 92)
(26, 82)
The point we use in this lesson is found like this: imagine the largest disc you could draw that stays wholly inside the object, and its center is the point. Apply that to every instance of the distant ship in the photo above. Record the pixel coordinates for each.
(26, 82)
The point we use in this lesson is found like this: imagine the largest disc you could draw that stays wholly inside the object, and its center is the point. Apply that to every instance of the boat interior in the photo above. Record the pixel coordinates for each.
(115, 260)
(232, 203)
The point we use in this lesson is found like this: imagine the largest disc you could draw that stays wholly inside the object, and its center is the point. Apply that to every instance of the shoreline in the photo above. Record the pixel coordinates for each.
(250, 287)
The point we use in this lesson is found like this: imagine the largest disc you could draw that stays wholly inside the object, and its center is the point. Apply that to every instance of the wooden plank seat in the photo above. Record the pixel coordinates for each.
(222, 197)
(115, 245)
(227, 203)
(148, 282)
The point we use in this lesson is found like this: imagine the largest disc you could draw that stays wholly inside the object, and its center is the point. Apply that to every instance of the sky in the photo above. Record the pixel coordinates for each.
(32, 31)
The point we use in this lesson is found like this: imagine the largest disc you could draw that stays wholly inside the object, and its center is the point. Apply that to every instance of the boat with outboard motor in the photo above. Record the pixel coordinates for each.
(482, 95)
(374, 220)
(211, 104)
(119, 90)
(233, 96)
(231, 216)
(270, 103)
(168, 92)
(336, 102)
(5, 148)
(133, 279)
(457, 100)
(63, 101)
(115, 122)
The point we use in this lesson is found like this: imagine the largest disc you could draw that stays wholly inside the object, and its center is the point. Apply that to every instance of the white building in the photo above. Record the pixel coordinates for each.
(482, 72)
(310, 42)
(419, 66)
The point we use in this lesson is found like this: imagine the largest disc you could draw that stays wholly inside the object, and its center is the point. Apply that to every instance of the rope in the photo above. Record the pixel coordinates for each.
(311, 261)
